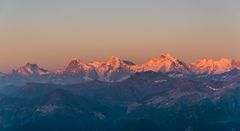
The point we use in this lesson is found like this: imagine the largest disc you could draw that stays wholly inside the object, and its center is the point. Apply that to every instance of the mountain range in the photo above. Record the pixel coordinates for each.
(115, 69)
(164, 93)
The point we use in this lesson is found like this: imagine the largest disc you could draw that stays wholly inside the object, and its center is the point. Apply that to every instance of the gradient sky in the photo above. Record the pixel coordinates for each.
(50, 32)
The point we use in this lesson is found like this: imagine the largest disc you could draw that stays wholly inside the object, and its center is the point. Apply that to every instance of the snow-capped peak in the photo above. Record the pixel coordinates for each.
(169, 57)
(31, 69)
(112, 68)
(77, 66)
(74, 63)
(165, 63)
(114, 62)
(210, 66)
(113, 58)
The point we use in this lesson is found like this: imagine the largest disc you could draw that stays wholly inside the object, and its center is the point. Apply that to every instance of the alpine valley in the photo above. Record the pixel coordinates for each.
(163, 94)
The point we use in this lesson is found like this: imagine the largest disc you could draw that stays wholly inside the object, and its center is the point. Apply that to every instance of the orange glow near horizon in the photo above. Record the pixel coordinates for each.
(50, 33)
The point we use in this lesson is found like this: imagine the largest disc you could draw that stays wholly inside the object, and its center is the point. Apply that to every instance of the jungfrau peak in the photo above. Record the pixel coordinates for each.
(165, 63)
